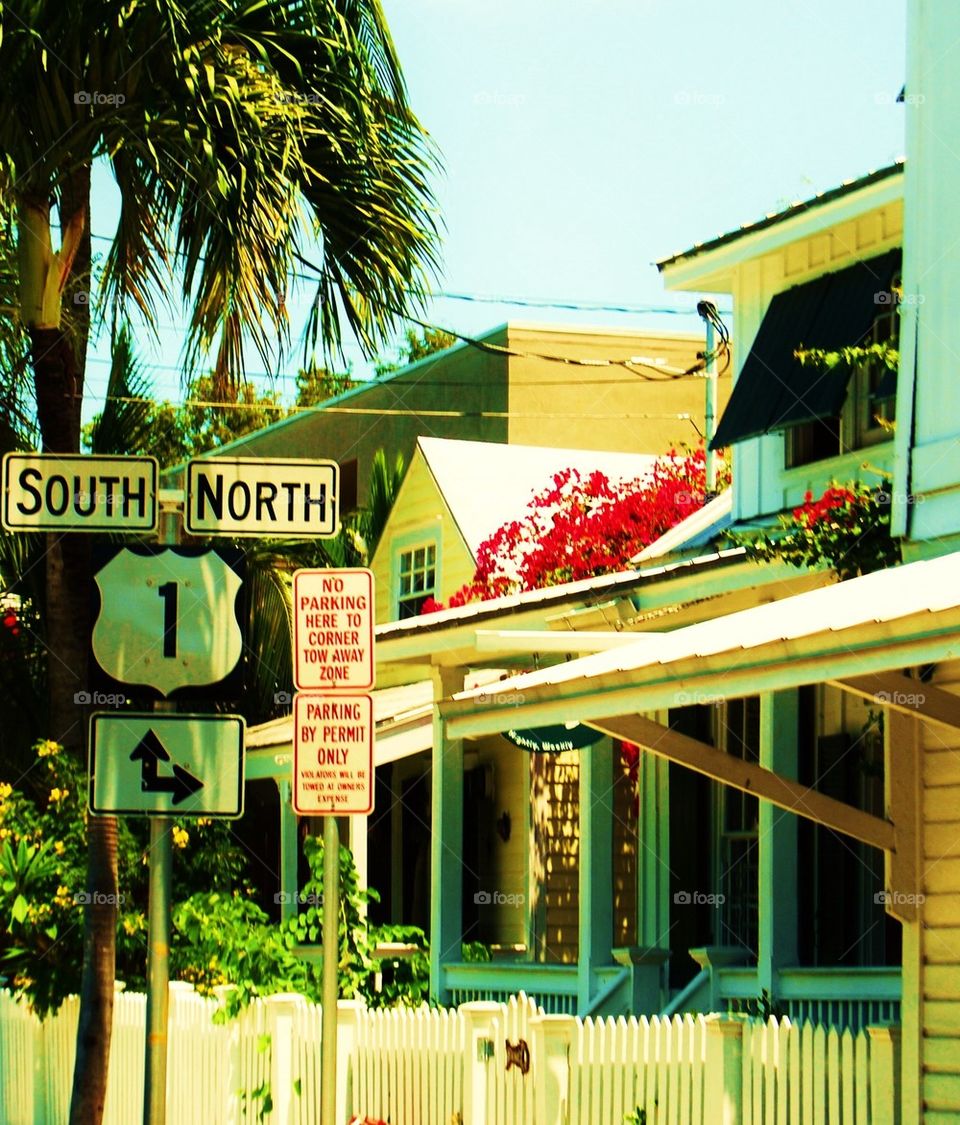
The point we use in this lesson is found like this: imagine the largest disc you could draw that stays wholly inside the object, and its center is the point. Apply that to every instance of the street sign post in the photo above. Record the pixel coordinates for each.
(74, 492)
(166, 765)
(267, 498)
(333, 747)
(332, 754)
(333, 630)
(168, 618)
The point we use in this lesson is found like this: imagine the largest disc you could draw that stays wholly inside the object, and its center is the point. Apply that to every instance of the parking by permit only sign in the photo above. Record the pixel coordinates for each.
(333, 754)
(74, 492)
(268, 498)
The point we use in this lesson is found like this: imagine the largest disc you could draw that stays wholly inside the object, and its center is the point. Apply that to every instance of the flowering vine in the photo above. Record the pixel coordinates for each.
(847, 528)
(579, 527)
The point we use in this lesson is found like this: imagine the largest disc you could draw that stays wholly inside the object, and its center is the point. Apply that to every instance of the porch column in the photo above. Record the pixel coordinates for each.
(446, 840)
(653, 852)
(777, 843)
(596, 864)
(289, 852)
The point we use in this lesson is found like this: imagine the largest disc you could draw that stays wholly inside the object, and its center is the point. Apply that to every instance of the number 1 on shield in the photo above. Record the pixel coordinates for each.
(168, 591)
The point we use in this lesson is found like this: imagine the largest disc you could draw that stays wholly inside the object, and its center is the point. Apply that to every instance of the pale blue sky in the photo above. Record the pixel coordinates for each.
(582, 141)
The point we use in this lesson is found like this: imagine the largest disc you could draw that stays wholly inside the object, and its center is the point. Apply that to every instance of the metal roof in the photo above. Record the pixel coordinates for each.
(588, 589)
(908, 614)
(818, 200)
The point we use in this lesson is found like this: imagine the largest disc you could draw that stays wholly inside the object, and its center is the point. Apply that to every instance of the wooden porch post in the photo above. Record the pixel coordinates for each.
(596, 865)
(777, 843)
(446, 840)
(653, 858)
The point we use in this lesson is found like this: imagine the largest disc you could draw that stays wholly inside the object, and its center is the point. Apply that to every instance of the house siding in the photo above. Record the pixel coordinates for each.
(940, 914)
(419, 510)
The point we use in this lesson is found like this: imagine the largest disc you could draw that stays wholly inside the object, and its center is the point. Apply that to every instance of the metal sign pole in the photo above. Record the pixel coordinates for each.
(331, 959)
(160, 860)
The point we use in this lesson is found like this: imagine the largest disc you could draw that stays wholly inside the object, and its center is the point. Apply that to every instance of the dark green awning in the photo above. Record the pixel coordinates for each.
(834, 311)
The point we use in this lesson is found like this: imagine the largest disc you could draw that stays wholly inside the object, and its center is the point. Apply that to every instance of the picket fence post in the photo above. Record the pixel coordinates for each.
(348, 1020)
(280, 1012)
(884, 1074)
(550, 1066)
(723, 1085)
(479, 1020)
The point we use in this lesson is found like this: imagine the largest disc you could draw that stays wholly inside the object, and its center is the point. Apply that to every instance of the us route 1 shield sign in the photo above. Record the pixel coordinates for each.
(72, 492)
(166, 765)
(333, 629)
(332, 754)
(168, 618)
(269, 498)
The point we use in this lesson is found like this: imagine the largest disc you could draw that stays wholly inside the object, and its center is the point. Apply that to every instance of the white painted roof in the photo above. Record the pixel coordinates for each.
(714, 513)
(486, 484)
(887, 596)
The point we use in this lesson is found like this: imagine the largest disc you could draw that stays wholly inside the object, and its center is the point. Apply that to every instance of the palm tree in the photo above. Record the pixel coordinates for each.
(237, 132)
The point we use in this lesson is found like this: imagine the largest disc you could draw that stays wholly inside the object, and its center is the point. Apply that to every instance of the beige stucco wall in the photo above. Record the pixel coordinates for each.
(606, 407)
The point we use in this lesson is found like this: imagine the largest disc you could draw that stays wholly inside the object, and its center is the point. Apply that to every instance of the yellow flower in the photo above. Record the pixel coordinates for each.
(59, 847)
(203, 821)
(180, 836)
(63, 897)
(57, 795)
(5, 790)
(47, 748)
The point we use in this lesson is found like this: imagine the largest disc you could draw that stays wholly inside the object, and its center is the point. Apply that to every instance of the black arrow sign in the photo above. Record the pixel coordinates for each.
(149, 752)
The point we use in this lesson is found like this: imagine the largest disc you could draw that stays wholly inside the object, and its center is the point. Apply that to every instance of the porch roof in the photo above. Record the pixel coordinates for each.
(892, 619)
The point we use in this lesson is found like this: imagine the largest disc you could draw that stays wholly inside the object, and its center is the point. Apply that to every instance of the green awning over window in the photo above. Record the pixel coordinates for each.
(834, 311)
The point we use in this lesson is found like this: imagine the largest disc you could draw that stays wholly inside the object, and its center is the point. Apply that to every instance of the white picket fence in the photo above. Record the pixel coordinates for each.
(482, 1064)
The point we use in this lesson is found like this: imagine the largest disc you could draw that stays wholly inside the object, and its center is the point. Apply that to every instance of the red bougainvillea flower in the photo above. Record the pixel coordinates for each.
(579, 527)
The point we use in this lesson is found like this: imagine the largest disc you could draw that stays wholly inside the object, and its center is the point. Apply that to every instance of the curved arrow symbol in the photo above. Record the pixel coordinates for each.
(150, 752)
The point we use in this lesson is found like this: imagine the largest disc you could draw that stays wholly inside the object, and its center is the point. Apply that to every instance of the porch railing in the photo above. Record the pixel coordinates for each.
(553, 987)
(844, 998)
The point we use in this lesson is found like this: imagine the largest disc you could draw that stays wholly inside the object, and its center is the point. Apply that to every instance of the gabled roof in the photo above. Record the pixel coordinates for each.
(486, 484)
(821, 199)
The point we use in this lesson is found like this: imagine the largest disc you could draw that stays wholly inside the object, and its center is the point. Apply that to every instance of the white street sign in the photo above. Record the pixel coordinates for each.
(333, 629)
(72, 492)
(269, 498)
(332, 754)
(166, 765)
(167, 619)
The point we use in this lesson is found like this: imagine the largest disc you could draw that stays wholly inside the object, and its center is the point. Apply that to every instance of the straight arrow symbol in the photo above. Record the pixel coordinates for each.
(149, 752)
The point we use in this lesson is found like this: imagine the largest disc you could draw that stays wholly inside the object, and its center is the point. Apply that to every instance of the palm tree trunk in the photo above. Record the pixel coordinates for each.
(58, 353)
